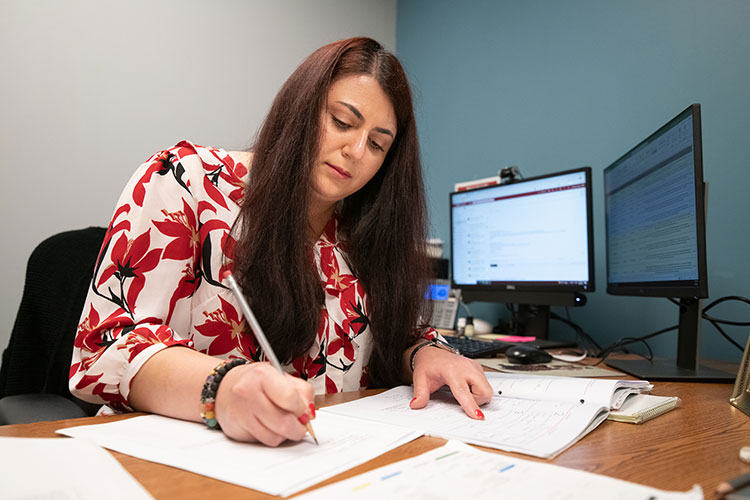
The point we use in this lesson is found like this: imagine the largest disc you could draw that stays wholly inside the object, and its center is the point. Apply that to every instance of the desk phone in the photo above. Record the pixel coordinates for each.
(444, 304)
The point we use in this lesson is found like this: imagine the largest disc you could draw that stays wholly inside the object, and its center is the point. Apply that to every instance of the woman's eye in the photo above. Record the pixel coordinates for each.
(375, 145)
(340, 124)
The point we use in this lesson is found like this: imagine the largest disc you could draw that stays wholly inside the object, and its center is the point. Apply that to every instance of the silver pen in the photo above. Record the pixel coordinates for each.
(258, 331)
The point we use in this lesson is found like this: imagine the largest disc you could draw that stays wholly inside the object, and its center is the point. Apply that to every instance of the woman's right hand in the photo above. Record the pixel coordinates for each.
(255, 402)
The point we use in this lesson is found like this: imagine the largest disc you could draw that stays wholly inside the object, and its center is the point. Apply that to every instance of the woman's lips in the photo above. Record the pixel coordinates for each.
(340, 171)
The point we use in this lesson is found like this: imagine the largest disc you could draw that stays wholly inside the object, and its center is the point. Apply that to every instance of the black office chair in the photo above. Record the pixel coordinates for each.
(36, 363)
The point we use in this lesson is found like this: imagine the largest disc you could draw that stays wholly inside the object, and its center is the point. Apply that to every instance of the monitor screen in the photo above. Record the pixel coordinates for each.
(654, 210)
(654, 199)
(533, 235)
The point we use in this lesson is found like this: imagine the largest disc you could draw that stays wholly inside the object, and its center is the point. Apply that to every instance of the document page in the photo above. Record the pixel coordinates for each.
(460, 471)
(284, 470)
(539, 428)
(62, 469)
(601, 392)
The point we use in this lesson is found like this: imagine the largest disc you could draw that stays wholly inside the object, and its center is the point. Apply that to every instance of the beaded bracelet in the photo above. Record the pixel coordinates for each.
(430, 343)
(210, 388)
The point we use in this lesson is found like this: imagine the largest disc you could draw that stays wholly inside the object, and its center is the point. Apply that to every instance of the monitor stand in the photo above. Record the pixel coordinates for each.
(533, 321)
(686, 367)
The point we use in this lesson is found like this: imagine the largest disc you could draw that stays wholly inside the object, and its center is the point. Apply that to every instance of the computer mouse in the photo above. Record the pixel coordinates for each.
(527, 354)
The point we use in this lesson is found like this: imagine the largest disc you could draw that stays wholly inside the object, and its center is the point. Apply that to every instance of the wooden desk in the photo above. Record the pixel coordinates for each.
(698, 443)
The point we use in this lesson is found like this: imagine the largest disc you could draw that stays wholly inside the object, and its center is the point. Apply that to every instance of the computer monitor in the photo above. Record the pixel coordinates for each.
(529, 242)
(654, 198)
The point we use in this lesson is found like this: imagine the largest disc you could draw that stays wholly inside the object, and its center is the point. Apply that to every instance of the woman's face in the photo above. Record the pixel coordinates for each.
(359, 126)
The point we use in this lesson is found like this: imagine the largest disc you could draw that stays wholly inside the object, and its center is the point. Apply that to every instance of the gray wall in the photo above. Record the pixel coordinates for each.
(550, 85)
(90, 89)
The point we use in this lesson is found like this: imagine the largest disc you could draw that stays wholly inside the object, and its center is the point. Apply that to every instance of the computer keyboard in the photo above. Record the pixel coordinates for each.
(472, 348)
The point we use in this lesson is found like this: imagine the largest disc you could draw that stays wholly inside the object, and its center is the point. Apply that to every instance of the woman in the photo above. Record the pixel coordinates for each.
(322, 225)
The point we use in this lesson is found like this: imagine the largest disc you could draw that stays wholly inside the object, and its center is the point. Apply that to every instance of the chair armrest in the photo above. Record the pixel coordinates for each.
(27, 408)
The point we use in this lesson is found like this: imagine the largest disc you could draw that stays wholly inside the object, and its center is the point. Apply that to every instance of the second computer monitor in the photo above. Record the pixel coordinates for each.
(526, 242)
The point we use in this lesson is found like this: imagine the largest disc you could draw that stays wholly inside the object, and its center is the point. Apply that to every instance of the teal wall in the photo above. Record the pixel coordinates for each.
(551, 85)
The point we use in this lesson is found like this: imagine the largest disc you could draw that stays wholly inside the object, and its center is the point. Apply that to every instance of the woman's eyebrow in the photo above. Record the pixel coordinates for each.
(356, 113)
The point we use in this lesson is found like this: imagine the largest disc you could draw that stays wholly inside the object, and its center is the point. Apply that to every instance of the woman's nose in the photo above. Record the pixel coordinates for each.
(354, 147)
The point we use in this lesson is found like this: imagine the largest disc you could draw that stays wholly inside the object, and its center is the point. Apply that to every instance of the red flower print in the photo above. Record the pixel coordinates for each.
(191, 277)
(90, 339)
(227, 245)
(131, 259)
(336, 280)
(356, 315)
(183, 228)
(430, 334)
(342, 342)
(160, 165)
(232, 173)
(331, 386)
(143, 337)
(228, 330)
(209, 184)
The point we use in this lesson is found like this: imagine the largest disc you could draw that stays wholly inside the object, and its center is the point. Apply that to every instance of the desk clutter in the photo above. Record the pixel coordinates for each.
(537, 416)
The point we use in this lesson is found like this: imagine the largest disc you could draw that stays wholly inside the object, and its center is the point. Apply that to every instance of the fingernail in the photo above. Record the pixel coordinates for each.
(479, 414)
(304, 419)
(412, 401)
(312, 409)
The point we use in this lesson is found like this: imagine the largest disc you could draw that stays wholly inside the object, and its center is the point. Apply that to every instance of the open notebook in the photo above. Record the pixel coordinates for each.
(539, 416)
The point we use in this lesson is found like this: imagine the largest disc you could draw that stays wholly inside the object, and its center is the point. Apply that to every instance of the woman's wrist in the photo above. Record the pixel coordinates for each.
(424, 344)
(211, 389)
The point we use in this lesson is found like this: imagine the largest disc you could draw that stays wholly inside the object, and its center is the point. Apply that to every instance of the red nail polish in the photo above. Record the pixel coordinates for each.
(412, 401)
(312, 409)
(303, 419)
(479, 414)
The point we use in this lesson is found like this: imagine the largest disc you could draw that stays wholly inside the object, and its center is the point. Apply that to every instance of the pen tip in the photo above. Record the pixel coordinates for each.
(226, 274)
(311, 432)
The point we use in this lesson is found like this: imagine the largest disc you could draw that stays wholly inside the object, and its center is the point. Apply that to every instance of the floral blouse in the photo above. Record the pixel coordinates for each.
(156, 283)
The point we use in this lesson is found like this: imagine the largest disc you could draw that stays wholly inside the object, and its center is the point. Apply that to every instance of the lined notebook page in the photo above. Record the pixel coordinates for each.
(639, 408)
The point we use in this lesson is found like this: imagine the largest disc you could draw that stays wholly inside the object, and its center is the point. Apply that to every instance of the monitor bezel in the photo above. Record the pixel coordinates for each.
(676, 289)
(526, 292)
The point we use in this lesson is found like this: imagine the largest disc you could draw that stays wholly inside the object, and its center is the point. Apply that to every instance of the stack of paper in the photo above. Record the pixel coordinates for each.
(538, 416)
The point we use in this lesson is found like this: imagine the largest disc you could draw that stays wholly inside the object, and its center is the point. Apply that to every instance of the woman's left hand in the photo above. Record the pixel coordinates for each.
(435, 367)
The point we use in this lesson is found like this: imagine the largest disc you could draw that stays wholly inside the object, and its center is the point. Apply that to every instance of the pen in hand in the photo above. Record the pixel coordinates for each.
(258, 331)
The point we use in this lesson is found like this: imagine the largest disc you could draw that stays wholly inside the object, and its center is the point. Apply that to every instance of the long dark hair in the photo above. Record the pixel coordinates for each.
(383, 224)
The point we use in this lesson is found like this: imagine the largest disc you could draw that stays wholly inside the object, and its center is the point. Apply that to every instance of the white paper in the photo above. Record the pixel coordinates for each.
(460, 471)
(283, 470)
(601, 392)
(63, 469)
(538, 428)
(538, 416)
